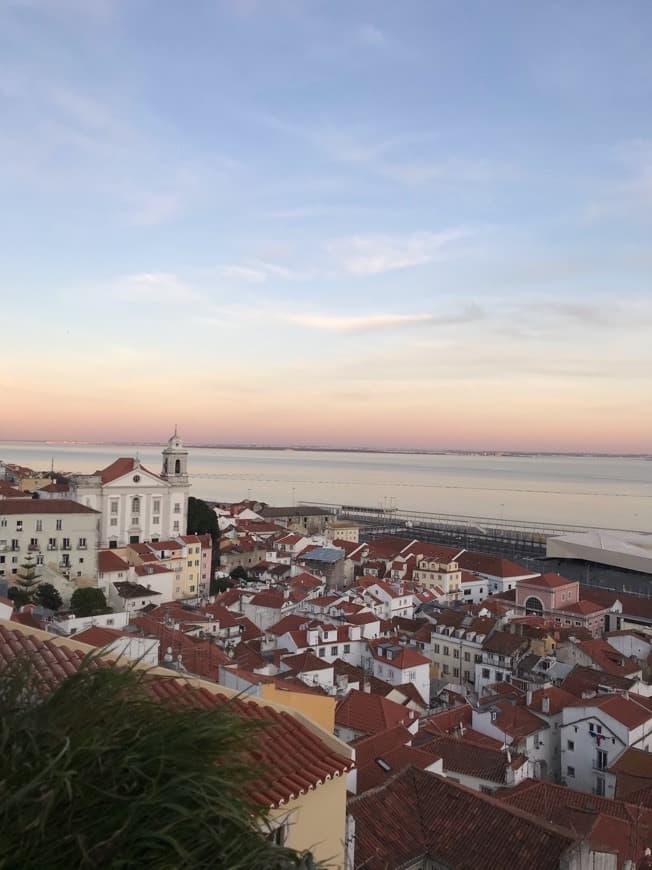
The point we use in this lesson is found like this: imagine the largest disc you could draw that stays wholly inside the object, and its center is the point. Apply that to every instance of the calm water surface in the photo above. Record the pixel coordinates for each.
(611, 492)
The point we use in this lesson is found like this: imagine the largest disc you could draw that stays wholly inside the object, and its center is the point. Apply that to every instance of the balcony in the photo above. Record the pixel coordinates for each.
(33, 548)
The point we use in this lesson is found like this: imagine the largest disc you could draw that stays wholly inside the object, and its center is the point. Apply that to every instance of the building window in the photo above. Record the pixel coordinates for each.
(19, 525)
(599, 786)
(570, 745)
(175, 527)
(347, 648)
(412, 675)
(570, 771)
(52, 543)
(177, 508)
(135, 505)
(114, 521)
(446, 651)
(114, 507)
(467, 657)
(333, 650)
(322, 651)
(39, 525)
(446, 669)
(456, 653)
(59, 525)
(156, 520)
(156, 506)
(66, 544)
(456, 672)
(485, 673)
(436, 648)
(601, 760)
(33, 542)
(82, 544)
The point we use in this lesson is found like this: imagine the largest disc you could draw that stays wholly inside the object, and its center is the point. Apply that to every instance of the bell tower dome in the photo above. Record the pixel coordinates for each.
(175, 461)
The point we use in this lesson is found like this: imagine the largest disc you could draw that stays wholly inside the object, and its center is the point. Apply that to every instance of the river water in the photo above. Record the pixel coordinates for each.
(608, 492)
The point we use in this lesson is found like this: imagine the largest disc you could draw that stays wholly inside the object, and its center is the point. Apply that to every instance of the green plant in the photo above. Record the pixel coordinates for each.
(97, 774)
(88, 601)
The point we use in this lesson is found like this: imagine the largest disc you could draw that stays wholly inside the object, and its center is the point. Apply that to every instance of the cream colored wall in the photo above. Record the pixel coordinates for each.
(319, 708)
(316, 822)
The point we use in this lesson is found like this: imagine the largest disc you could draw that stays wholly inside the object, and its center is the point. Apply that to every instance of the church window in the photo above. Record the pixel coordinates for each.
(177, 466)
(135, 505)
(177, 508)
(156, 506)
(156, 520)
(114, 507)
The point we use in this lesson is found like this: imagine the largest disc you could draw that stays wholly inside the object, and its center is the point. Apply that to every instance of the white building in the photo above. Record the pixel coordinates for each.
(399, 665)
(136, 504)
(59, 534)
(596, 733)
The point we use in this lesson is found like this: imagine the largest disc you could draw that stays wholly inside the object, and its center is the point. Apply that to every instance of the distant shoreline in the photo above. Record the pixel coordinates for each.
(397, 451)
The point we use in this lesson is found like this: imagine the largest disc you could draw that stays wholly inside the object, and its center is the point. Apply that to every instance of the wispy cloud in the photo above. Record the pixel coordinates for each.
(154, 288)
(373, 255)
(243, 273)
(373, 322)
(370, 34)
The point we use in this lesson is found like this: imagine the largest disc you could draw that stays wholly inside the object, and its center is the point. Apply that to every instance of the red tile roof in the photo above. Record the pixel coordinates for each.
(368, 748)
(504, 643)
(418, 815)
(273, 600)
(558, 698)
(585, 679)
(109, 561)
(467, 758)
(127, 589)
(620, 827)
(633, 770)
(516, 721)
(293, 760)
(13, 506)
(494, 566)
(99, 635)
(401, 657)
(120, 467)
(548, 581)
(200, 657)
(9, 491)
(386, 764)
(608, 658)
(583, 607)
(369, 714)
(631, 712)
(305, 662)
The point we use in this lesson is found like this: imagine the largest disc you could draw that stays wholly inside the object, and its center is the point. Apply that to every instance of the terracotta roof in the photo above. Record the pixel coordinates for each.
(634, 606)
(583, 607)
(633, 770)
(99, 635)
(126, 589)
(386, 764)
(583, 679)
(631, 712)
(200, 657)
(368, 748)
(418, 815)
(273, 600)
(149, 570)
(605, 822)
(547, 581)
(109, 561)
(305, 661)
(469, 759)
(122, 466)
(504, 643)
(395, 655)
(164, 545)
(369, 714)
(9, 491)
(294, 759)
(13, 506)
(516, 721)
(449, 720)
(608, 658)
(55, 487)
(558, 698)
(494, 566)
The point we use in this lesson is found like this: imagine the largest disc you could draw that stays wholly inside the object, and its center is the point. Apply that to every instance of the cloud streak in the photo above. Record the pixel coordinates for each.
(374, 255)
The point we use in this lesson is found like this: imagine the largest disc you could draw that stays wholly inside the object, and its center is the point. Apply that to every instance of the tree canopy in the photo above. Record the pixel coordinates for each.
(88, 601)
(202, 520)
(98, 774)
(47, 595)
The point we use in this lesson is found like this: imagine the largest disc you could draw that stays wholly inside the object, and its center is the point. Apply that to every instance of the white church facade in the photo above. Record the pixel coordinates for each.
(137, 504)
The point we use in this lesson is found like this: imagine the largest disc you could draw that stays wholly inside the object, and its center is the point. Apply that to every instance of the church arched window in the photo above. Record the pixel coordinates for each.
(135, 505)
(177, 466)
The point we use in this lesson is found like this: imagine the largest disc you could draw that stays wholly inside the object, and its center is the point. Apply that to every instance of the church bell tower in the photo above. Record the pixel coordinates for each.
(175, 461)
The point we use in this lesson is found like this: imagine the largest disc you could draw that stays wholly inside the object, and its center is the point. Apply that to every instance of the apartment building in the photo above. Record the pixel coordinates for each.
(60, 534)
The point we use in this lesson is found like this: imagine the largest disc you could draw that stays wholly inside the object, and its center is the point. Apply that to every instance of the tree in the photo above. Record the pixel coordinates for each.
(19, 596)
(239, 574)
(98, 774)
(27, 580)
(88, 601)
(202, 520)
(220, 584)
(48, 596)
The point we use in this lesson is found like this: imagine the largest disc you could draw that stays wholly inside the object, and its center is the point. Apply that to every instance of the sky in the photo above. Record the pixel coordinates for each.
(328, 222)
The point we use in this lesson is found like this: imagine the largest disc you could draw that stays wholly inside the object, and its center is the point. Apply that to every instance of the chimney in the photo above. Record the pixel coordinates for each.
(545, 704)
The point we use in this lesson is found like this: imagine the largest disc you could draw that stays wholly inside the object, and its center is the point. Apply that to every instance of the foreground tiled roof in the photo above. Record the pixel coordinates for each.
(633, 771)
(99, 635)
(368, 748)
(292, 758)
(419, 815)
